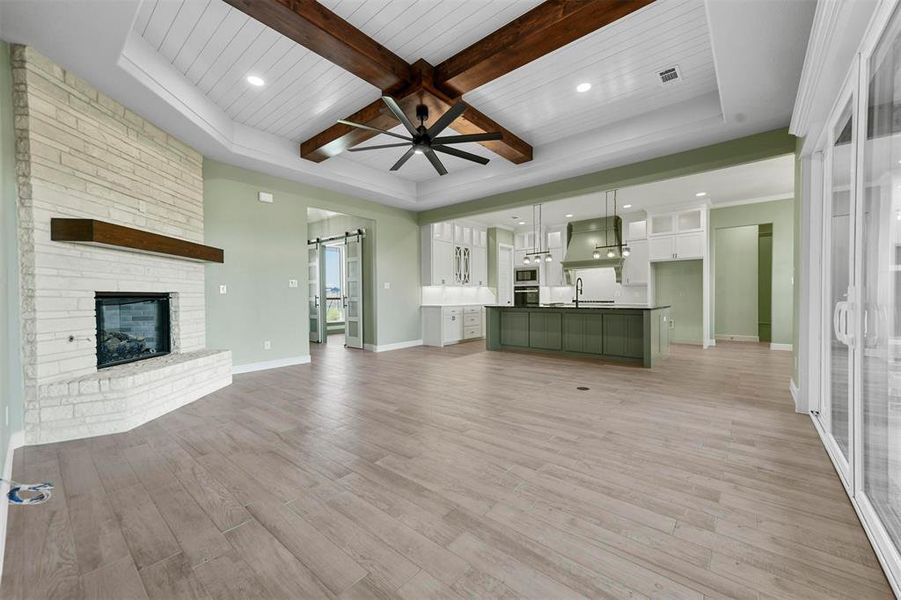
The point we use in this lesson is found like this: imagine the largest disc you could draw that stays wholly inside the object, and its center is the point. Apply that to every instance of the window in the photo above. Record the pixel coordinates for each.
(334, 284)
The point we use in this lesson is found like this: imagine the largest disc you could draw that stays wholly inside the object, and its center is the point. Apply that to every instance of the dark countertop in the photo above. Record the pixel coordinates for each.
(583, 306)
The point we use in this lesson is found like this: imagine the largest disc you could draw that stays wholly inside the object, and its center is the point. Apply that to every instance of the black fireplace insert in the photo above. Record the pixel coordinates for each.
(131, 326)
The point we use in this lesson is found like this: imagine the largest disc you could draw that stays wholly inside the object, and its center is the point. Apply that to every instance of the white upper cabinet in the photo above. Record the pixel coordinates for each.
(454, 253)
(637, 230)
(636, 266)
(678, 235)
(442, 231)
(662, 225)
(524, 240)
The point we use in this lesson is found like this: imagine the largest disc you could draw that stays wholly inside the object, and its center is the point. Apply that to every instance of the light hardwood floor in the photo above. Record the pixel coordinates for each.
(454, 473)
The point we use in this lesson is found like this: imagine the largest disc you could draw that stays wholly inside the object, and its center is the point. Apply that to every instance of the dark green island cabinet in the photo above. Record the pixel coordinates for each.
(621, 333)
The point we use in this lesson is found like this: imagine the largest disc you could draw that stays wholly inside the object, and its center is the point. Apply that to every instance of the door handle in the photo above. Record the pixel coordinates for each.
(344, 301)
(316, 301)
(847, 324)
(836, 321)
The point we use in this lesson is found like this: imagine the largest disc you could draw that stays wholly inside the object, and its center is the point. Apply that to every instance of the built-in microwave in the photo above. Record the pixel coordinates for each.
(525, 276)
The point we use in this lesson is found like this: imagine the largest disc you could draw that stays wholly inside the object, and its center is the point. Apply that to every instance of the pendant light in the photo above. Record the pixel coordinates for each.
(611, 249)
(537, 253)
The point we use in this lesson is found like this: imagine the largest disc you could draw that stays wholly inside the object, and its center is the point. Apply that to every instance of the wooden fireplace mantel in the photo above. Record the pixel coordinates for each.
(101, 233)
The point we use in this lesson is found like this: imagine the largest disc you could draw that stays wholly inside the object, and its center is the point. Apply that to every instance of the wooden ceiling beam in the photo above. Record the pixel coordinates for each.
(318, 29)
(547, 27)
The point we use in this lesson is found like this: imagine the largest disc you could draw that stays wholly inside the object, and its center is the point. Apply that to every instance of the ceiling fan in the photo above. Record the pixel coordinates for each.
(424, 140)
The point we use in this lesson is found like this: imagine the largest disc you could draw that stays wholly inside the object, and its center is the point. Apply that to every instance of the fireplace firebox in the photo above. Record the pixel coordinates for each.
(131, 326)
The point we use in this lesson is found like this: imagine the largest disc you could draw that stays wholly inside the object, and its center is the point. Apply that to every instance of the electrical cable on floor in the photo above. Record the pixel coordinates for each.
(35, 493)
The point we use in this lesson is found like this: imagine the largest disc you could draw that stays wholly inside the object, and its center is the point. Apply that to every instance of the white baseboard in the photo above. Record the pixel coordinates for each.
(16, 440)
(389, 347)
(796, 395)
(737, 338)
(271, 364)
(785, 347)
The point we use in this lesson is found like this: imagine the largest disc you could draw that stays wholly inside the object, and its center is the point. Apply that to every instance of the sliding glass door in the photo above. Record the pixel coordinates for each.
(838, 237)
(879, 323)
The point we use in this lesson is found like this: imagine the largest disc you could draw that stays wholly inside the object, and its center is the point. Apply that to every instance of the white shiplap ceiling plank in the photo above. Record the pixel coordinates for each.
(234, 21)
(235, 75)
(539, 101)
(145, 11)
(164, 14)
(210, 21)
(666, 22)
(269, 66)
(277, 76)
(187, 19)
(236, 47)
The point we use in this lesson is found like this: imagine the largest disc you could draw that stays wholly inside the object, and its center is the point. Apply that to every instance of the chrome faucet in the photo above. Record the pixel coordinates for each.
(578, 290)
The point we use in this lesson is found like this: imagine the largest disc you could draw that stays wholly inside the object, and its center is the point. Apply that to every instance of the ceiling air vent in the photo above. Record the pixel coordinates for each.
(669, 76)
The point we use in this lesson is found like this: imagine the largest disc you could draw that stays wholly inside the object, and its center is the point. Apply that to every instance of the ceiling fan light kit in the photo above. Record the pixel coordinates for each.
(426, 140)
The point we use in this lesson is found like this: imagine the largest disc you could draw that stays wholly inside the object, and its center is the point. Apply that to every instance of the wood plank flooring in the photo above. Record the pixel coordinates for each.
(454, 473)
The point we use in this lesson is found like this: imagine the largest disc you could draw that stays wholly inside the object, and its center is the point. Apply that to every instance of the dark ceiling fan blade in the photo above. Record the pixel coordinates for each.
(460, 154)
(447, 118)
(472, 137)
(368, 128)
(395, 109)
(404, 158)
(379, 147)
(433, 158)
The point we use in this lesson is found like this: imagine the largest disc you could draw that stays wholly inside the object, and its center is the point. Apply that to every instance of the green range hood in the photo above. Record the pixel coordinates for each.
(582, 239)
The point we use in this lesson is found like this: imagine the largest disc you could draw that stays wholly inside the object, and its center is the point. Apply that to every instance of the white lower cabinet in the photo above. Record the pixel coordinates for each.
(443, 325)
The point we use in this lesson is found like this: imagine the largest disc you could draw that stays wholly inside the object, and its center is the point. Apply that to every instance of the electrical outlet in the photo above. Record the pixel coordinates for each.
(387, 285)
(292, 283)
(267, 345)
(266, 197)
(672, 324)
(223, 289)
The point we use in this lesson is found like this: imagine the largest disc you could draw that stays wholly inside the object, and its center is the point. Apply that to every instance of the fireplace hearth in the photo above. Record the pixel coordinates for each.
(131, 327)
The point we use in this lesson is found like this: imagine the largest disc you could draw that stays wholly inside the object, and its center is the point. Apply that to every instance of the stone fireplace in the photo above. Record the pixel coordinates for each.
(80, 154)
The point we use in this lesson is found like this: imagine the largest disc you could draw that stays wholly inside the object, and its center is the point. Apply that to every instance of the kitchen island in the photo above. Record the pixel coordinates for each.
(619, 332)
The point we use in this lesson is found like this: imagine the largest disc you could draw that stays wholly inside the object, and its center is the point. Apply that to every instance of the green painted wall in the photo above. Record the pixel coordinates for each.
(265, 246)
(496, 236)
(765, 282)
(717, 156)
(736, 281)
(781, 214)
(11, 385)
(681, 285)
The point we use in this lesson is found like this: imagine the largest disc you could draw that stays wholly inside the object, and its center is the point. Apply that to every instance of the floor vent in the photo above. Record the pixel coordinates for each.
(669, 76)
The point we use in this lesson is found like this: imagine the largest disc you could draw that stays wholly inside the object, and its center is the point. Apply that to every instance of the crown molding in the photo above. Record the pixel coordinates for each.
(826, 22)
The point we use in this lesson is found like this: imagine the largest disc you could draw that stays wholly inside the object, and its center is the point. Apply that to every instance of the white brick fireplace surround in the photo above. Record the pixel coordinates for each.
(81, 154)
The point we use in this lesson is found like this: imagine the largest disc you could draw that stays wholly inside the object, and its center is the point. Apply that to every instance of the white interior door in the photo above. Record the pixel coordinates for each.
(353, 294)
(505, 274)
(316, 293)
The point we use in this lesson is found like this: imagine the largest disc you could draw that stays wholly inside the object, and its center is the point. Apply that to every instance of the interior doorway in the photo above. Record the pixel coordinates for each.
(336, 277)
(743, 283)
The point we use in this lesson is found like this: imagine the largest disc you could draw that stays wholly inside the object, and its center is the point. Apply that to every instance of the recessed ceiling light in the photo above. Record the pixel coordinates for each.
(701, 194)
(627, 206)
(255, 80)
(522, 222)
(583, 87)
(569, 216)
(418, 151)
